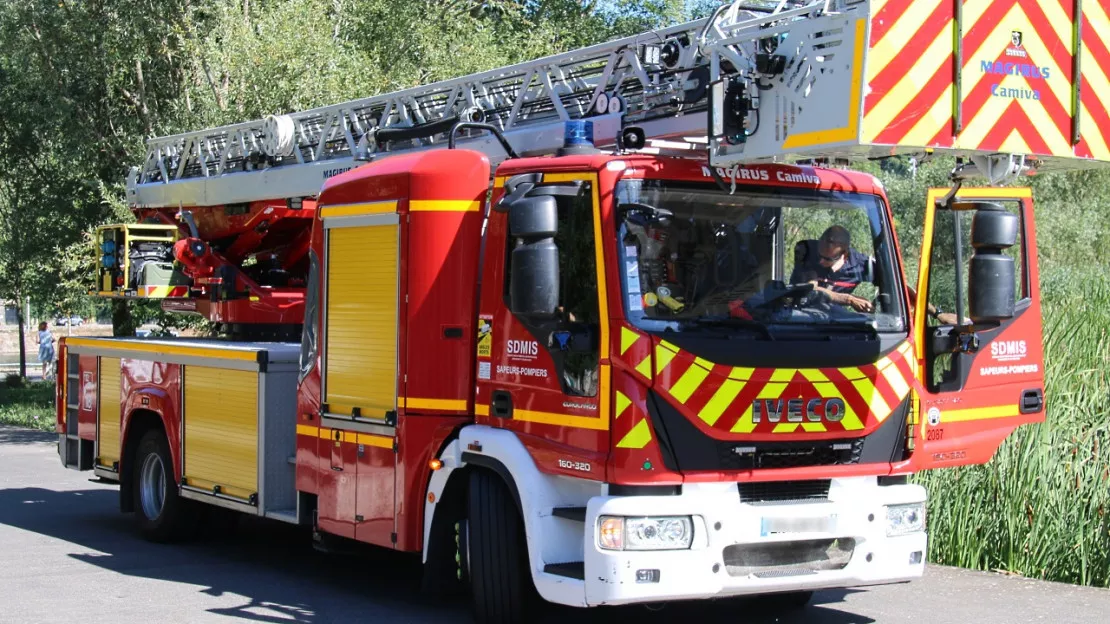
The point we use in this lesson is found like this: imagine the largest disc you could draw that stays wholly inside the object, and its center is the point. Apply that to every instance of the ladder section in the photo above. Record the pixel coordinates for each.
(656, 80)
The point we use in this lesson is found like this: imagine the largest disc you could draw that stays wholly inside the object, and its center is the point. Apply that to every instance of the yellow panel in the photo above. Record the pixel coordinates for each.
(107, 430)
(221, 430)
(360, 347)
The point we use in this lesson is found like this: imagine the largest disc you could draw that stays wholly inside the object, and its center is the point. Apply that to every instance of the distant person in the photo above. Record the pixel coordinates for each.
(45, 341)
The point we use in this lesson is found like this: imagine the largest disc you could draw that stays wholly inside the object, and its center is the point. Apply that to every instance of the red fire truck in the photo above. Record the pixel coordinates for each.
(573, 328)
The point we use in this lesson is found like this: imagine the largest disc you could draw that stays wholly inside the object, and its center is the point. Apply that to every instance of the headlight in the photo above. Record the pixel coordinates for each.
(905, 519)
(661, 533)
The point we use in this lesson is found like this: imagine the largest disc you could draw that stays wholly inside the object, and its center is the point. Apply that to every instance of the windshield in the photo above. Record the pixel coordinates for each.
(695, 257)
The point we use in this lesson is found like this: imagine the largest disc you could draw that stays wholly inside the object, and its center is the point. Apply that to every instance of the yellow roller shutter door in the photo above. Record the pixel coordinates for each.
(360, 348)
(221, 430)
(107, 430)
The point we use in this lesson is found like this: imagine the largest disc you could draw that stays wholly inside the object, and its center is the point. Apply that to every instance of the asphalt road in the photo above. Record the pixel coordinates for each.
(68, 555)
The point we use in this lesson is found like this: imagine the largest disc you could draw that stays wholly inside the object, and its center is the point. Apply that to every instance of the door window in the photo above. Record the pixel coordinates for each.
(571, 338)
(948, 286)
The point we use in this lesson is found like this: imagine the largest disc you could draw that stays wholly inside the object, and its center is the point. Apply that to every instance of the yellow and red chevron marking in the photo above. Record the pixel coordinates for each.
(631, 427)
(1095, 88)
(718, 399)
(634, 353)
(1016, 98)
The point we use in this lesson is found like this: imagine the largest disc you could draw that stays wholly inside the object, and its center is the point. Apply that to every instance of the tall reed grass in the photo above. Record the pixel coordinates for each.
(1040, 507)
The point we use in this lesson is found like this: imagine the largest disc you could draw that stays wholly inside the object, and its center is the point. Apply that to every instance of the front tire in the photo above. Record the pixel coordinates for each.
(161, 515)
(500, 577)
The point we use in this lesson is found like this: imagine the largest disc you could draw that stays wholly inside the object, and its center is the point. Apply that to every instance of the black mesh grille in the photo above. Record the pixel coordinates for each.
(735, 456)
(784, 491)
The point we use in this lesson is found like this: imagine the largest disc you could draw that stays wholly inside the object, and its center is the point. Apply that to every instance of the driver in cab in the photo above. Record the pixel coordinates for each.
(833, 267)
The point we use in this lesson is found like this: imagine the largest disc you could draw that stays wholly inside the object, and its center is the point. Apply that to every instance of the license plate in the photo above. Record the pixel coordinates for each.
(775, 526)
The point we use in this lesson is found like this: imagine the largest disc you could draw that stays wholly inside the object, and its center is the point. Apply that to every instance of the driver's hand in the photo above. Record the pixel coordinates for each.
(859, 304)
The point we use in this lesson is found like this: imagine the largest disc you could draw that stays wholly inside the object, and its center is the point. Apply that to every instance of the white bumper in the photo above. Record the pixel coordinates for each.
(727, 531)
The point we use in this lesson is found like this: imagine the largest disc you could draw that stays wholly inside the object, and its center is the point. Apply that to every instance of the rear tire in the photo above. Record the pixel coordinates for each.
(160, 513)
(500, 577)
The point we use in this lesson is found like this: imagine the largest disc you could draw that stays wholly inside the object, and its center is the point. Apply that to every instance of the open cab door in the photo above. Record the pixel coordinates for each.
(977, 323)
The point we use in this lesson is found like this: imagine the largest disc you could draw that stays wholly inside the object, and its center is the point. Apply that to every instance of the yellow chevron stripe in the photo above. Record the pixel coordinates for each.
(771, 391)
(740, 373)
(622, 403)
(813, 375)
(907, 90)
(745, 424)
(892, 43)
(897, 382)
(638, 438)
(1060, 24)
(874, 400)
(663, 356)
(628, 338)
(1098, 146)
(813, 427)
(688, 383)
(724, 397)
(933, 121)
(906, 349)
(783, 374)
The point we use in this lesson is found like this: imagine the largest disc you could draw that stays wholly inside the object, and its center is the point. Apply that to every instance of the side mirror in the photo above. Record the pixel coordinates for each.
(534, 281)
(991, 291)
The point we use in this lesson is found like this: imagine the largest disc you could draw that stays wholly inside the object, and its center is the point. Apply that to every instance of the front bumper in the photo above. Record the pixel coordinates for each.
(751, 548)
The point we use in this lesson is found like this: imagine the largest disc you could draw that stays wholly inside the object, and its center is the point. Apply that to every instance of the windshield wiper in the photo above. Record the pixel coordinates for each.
(735, 322)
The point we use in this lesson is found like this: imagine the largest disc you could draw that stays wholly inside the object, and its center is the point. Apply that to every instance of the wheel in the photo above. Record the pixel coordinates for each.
(160, 513)
(500, 578)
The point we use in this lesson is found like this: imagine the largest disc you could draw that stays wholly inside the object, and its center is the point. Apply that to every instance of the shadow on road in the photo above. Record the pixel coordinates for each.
(280, 578)
(18, 435)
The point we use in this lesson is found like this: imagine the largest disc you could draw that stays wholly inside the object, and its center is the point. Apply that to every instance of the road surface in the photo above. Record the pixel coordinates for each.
(68, 555)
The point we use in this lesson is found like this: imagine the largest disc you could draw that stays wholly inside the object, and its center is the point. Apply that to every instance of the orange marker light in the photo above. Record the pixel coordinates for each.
(611, 533)
(435, 464)
(431, 497)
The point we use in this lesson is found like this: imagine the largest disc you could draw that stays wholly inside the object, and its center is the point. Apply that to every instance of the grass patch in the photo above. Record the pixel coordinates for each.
(1041, 506)
(31, 405)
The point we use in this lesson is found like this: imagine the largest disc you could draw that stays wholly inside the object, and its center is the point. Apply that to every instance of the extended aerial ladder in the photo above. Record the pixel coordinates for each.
(755, 82)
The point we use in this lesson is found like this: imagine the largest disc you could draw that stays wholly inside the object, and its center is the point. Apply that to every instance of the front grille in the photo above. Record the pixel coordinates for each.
(778, 559)
(783, 491)
(750, 456)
